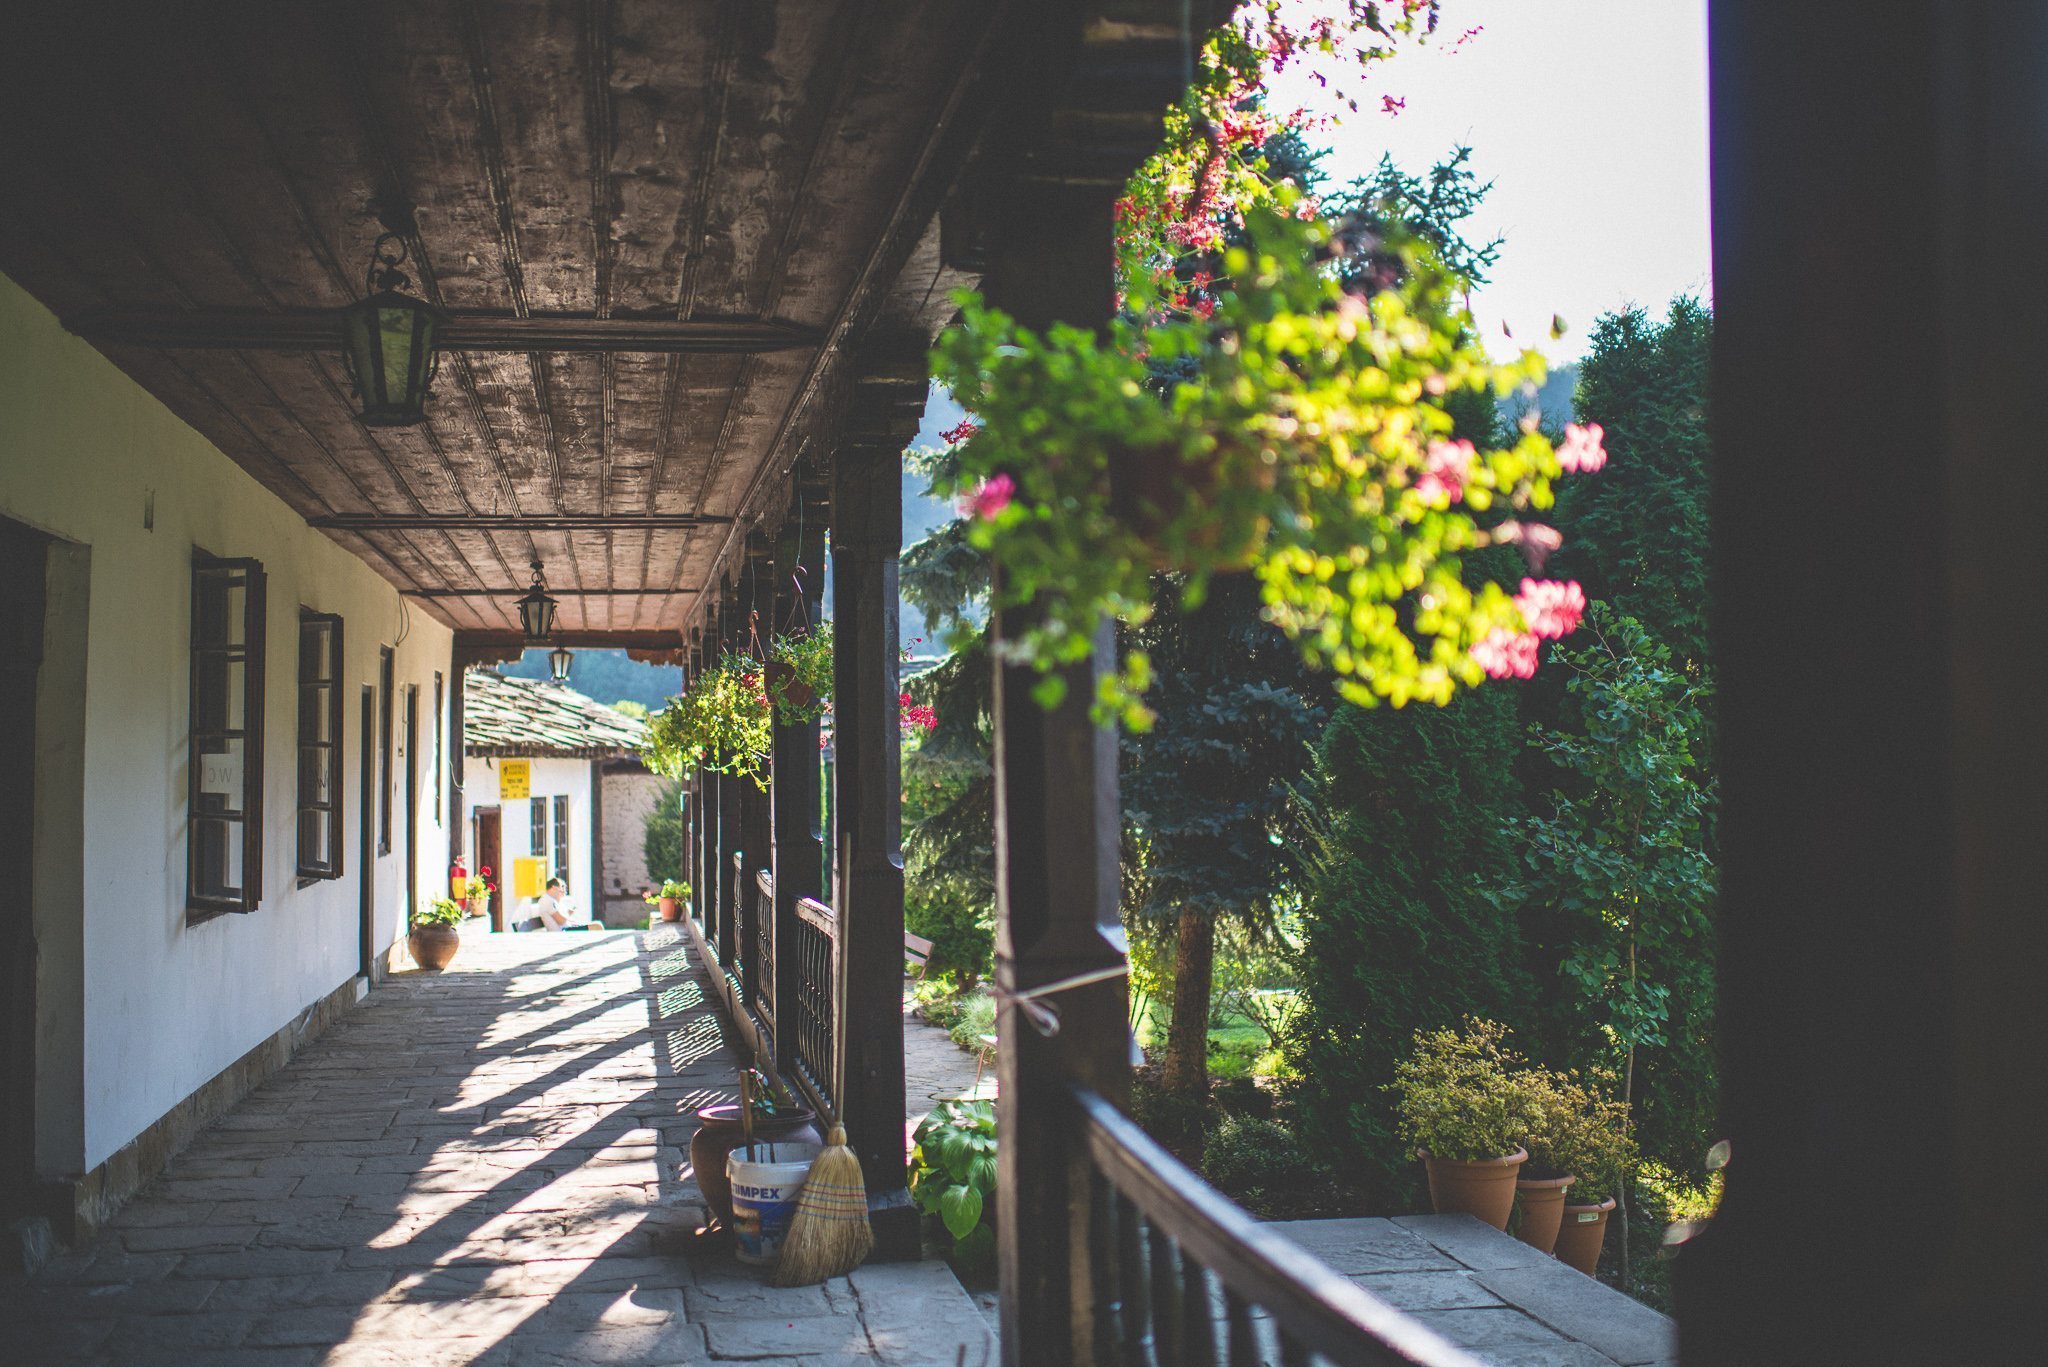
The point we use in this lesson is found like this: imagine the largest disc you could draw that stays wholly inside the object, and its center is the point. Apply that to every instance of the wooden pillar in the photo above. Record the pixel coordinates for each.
(867, 533)
(757, 617)
(1057, 825)
(1879, 546)
(458, 818)
(728, 805)
(800, 563)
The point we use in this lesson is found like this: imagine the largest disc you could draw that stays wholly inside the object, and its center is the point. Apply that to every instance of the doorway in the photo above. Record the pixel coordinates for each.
(366, 841)
(490, 854)
(410, 740)
(23, 557)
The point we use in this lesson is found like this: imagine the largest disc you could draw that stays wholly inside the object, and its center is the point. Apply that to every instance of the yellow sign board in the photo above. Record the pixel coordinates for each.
(515, 779)
(529, 876)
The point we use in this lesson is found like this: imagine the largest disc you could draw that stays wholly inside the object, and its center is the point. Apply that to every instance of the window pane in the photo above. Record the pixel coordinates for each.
(220, 777)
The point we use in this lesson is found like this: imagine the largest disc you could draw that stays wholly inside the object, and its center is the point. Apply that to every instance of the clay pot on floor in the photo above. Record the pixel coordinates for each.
(433, 946)
(671, 909)
(718, 1134)
(1580, 1236)
(1483, 1187)
(1542, 1209)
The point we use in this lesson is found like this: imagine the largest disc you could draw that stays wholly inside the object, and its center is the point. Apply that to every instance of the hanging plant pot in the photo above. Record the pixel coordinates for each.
(1152, 488)
(1580, 1236)
(1542, 1201)
(787, 688)
(1481, 1187)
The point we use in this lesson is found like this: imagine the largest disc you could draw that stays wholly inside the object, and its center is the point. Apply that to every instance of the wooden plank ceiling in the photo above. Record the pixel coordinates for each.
(661, 224)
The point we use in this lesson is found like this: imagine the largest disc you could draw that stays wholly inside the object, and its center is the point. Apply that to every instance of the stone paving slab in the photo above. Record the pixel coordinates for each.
(481, 1168)
(1492, 1295)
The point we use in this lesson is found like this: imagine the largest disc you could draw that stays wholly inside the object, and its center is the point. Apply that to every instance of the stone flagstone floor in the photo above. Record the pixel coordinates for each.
(485, 1166)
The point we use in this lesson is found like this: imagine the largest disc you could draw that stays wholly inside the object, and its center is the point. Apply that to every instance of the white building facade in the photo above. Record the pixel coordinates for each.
(234, 734)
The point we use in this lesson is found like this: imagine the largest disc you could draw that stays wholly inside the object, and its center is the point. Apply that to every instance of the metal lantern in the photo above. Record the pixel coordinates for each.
(537, 612)
(559, 660)
(388, 342)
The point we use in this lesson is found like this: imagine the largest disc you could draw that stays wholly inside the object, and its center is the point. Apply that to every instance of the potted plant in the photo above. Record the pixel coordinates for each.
(1579, 1130)
(477, 890)
(953, 1177)
(670, 897)
(433, 937)
(721, 722)
(1296, 425)
(1459, 1105)
(799, 674)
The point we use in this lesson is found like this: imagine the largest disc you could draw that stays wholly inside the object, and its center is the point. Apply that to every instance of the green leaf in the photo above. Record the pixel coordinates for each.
(960, 1209)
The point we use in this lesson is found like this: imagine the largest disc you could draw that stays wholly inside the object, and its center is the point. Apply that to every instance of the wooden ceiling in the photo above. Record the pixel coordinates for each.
(662, 226)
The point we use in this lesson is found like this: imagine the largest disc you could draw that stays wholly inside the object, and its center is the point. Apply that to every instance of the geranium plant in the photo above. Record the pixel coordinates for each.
(1298, 429)
(439, 913)
(671, 890)
(721, 722)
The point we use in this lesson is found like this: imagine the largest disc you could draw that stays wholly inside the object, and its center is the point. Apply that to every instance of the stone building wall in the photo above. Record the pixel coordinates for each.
(627, 794)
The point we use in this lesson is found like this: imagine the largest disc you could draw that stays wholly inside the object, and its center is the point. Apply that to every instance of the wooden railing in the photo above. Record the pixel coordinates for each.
(1184, 1277)
(813, 1015)
(761, 916)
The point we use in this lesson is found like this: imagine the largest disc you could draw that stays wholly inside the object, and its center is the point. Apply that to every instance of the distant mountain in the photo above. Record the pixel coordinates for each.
(606, 676)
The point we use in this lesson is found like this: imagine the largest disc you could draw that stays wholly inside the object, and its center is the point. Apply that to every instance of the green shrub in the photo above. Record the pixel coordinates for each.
(953, 1177)
(1573, 1129)
(977, 1018)
(662, 843)
(1460, 1094)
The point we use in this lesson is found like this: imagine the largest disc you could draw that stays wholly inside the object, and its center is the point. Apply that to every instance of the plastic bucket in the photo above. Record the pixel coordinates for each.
(764, 1192)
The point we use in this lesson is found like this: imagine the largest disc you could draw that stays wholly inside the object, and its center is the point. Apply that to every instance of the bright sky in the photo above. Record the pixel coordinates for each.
(1590, 117)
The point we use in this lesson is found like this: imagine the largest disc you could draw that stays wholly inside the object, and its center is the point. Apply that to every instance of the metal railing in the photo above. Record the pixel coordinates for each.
(761, 914)
(1184, 1277)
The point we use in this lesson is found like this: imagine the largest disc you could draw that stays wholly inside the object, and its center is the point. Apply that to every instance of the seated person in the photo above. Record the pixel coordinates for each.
(554, 909)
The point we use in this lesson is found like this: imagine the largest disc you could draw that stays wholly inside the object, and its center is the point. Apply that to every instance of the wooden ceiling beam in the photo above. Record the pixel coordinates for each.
(511, 522)
(320, 330)
(553, 592)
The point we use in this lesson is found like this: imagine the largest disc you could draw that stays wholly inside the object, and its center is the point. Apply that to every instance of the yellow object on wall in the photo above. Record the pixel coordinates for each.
(529, 876)
(515, 780)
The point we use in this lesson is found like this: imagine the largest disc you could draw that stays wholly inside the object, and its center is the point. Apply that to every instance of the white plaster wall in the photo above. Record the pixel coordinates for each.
(83, 452)
(567, 777)
(629, 797)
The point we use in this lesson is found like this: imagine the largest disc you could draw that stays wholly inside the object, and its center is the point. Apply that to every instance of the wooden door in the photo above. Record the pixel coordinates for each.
(22, 554)
(490, 853)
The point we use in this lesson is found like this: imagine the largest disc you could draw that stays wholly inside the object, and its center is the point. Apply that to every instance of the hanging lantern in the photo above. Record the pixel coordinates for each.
(559, 660)
(388, 342)
(537, 611)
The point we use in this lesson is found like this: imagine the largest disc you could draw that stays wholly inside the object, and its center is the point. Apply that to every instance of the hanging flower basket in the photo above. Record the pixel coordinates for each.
(720, 722)
(1299, 430)
(800, 674)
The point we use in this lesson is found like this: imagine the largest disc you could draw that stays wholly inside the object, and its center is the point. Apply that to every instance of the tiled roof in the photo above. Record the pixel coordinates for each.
(538, 717)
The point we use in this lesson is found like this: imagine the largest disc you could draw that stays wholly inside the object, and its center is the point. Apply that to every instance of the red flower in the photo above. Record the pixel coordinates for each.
(960, 431)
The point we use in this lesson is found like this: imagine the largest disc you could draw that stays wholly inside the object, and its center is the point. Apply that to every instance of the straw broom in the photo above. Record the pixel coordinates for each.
(829, 1235)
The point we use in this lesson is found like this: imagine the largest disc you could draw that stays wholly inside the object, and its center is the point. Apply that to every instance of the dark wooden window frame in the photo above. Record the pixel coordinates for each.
(210, 663)
(558, 857)
(313, 625)
(537, 827)
(387, 688)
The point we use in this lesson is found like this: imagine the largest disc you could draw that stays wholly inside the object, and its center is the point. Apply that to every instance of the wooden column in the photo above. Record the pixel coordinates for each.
(1057, 825)
(757, 618)
(1880, 553)
(867, 533)
(800, 563)
(728, 804)
(458, 817)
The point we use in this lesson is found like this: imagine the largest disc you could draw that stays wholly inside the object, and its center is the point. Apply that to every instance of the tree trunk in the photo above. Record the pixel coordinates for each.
(1186, 1072)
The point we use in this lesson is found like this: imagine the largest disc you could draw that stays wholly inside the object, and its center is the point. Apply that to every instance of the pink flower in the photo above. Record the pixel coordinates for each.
(1536, 540)
(1505, 654)
(1449, 462)
(1582, 451)
(1390, 105)
(1551, 607)
(1352, 313)
(990, 497)
(960, 431)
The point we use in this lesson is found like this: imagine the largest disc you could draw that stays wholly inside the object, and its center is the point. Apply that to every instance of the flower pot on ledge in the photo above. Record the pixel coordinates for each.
(1480, 1187)
(1580, 1236)
(671, 909)
(1542, 1210)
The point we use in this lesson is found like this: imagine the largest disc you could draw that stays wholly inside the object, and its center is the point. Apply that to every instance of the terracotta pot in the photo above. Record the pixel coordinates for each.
(1580, 1236)
(785, 687)
(1149, 488)
(433, 946)
(671, 909)
(718, 1134)
(1542, 1209)
(1482, 1187)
